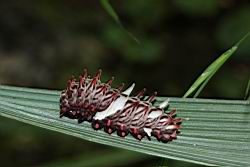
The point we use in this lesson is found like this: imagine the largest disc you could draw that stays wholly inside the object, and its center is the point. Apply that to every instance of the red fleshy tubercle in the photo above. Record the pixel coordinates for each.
(105, 107)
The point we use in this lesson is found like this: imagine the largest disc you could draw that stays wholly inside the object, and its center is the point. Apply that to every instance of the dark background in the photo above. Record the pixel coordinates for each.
(43, 43)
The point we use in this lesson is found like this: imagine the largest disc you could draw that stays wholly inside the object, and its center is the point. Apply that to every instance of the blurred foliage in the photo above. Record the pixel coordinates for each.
(198, 8)
(43, 43)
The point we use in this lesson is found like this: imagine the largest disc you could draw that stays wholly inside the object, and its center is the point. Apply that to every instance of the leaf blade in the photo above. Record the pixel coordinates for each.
(209, 72)
(192, 146)
(247, 92)
(109, 9)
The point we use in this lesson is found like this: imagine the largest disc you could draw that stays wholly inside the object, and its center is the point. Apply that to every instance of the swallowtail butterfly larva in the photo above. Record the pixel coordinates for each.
(91, 100)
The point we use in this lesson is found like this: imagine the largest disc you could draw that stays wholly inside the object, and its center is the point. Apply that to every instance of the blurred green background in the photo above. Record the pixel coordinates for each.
(43, 43)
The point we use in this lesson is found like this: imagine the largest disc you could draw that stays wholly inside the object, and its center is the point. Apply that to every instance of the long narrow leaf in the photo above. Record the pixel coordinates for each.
(209, 72)
(247, 93)
(109, 9)
(217, 132)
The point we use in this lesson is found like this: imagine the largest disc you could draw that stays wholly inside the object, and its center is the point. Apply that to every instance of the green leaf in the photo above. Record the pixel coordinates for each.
(109, 9)
(247, 93)
(203, 79)
(215, 132)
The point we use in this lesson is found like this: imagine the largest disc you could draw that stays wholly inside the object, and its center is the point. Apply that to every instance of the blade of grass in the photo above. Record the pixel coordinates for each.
(109, 9)
(247, 93)
(216, 133)
(203, 79)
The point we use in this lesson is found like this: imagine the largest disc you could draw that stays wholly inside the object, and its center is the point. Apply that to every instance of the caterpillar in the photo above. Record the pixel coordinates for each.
(112, 109)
